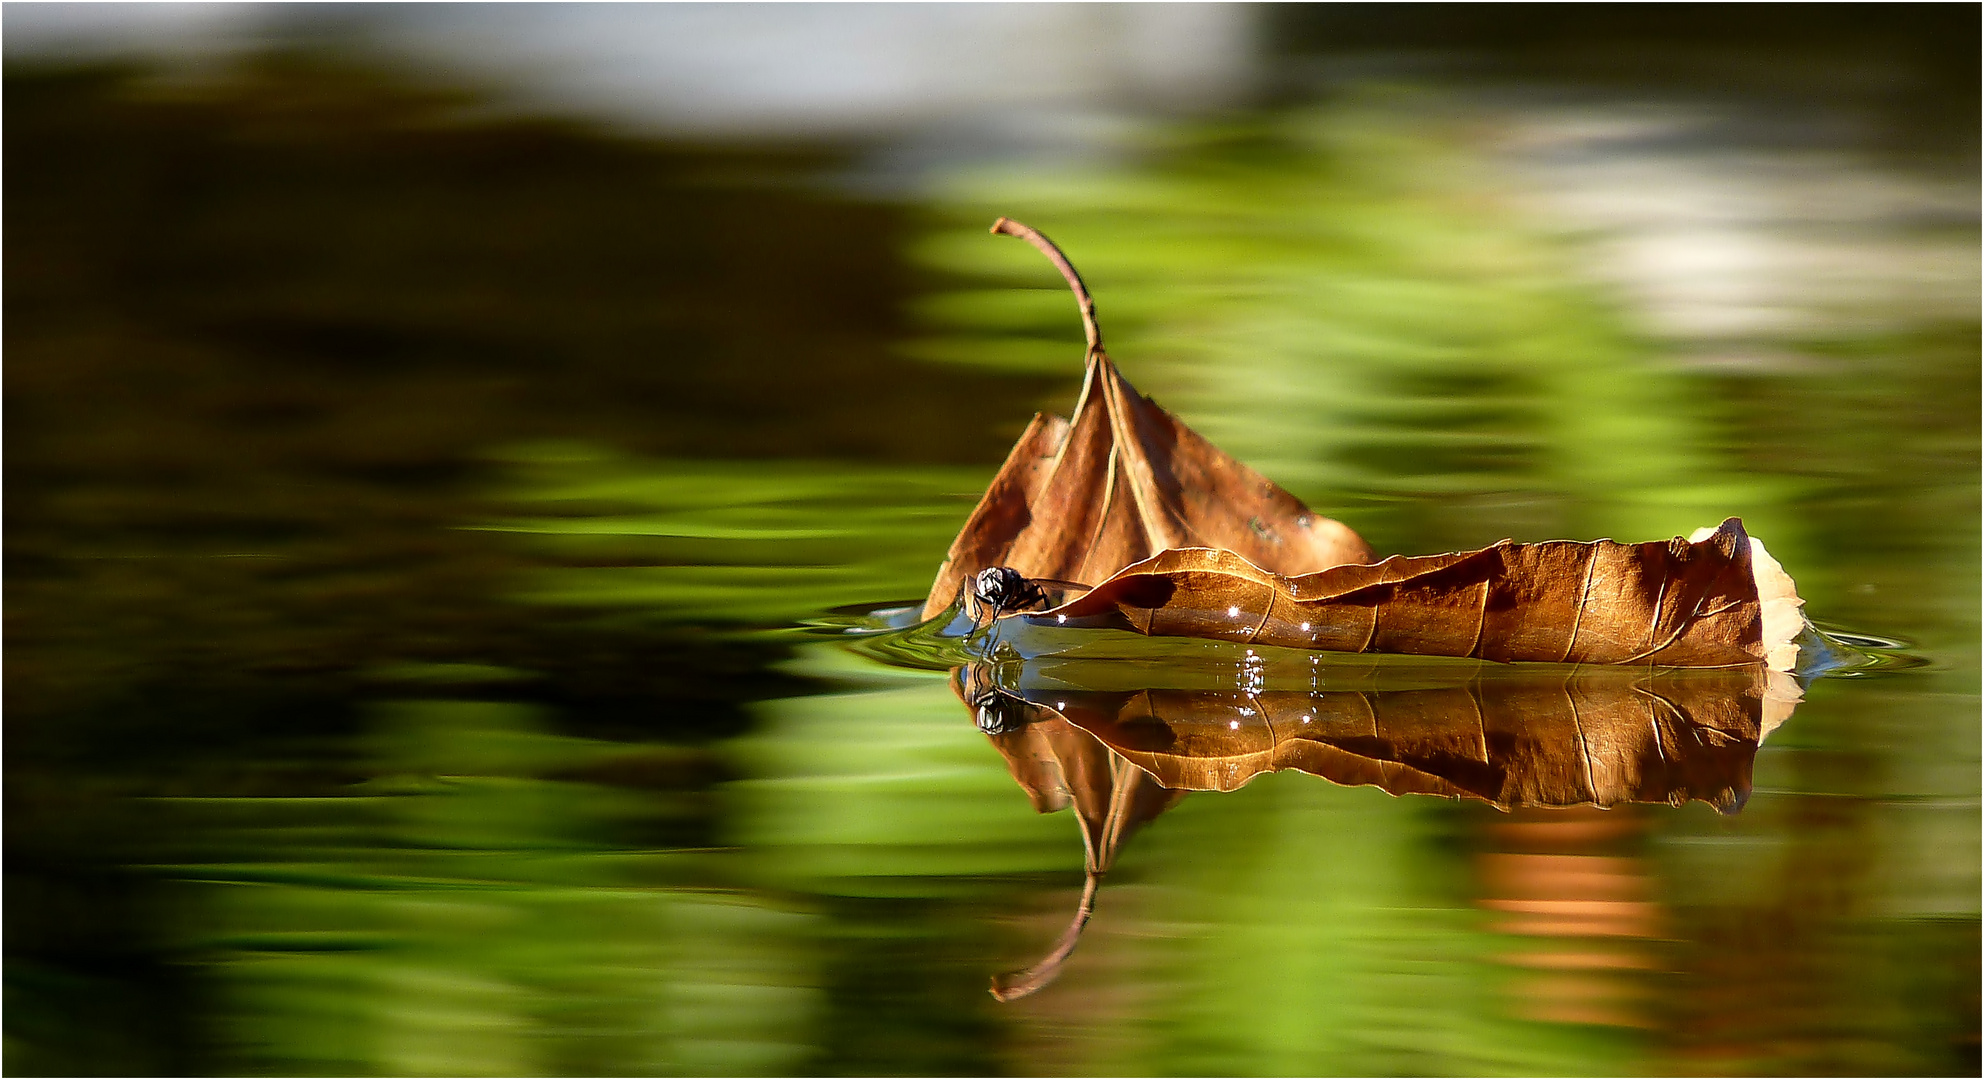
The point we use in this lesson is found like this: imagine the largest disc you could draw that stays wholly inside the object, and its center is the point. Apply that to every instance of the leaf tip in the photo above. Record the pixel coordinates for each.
(1777, 596)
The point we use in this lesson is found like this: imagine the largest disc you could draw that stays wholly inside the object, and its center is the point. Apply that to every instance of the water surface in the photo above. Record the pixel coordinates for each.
(418, 530)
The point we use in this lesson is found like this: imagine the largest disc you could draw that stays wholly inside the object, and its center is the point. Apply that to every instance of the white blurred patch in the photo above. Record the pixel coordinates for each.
(756, 69)
(1736, 239)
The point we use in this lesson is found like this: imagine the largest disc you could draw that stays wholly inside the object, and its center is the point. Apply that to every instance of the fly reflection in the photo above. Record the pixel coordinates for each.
(1514, 736)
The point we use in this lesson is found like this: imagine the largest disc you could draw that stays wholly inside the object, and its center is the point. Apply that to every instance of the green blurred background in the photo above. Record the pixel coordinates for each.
(414, 488)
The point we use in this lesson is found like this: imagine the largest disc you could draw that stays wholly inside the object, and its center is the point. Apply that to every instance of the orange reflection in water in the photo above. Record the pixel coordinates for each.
(1567, 882)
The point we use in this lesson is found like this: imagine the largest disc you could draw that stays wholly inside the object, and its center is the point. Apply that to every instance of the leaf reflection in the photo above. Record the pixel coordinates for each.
(1513, 736)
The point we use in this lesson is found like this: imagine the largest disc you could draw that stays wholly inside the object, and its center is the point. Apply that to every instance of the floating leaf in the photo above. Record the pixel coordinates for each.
(1671, 603)
(1189, 542)
(1652, 671)
(1788, 637)
(1121, 480)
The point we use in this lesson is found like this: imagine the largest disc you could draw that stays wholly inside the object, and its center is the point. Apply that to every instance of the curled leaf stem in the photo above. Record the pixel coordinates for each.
(1008, 227)
(1018, 984)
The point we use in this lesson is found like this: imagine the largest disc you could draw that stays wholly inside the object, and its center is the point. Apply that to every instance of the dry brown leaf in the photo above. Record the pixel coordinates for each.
(1079, 499)
(1670, 603)
(1194, 543)
(1512, 737)
(1783, 610)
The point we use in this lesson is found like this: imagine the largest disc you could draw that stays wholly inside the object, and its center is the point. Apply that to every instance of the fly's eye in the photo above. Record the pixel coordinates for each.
(989, 587)
(997, 587)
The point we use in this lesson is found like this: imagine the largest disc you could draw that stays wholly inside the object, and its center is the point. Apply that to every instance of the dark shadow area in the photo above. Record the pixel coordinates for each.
(261, 334)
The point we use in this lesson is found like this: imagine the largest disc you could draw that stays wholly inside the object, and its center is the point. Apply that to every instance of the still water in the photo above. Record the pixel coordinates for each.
(424, 538)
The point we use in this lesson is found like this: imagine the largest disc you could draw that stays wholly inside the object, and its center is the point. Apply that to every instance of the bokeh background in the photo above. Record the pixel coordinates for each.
(427, 429)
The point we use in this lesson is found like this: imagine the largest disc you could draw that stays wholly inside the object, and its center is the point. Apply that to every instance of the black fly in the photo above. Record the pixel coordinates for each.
(1002, 590)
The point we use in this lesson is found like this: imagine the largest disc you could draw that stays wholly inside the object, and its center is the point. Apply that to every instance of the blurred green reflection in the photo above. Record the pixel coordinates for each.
(482, 906)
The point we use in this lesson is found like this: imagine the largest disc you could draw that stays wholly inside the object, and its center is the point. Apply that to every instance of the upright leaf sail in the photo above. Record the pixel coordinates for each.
(1079, 499)
(1194, 543)
(1669, 603)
